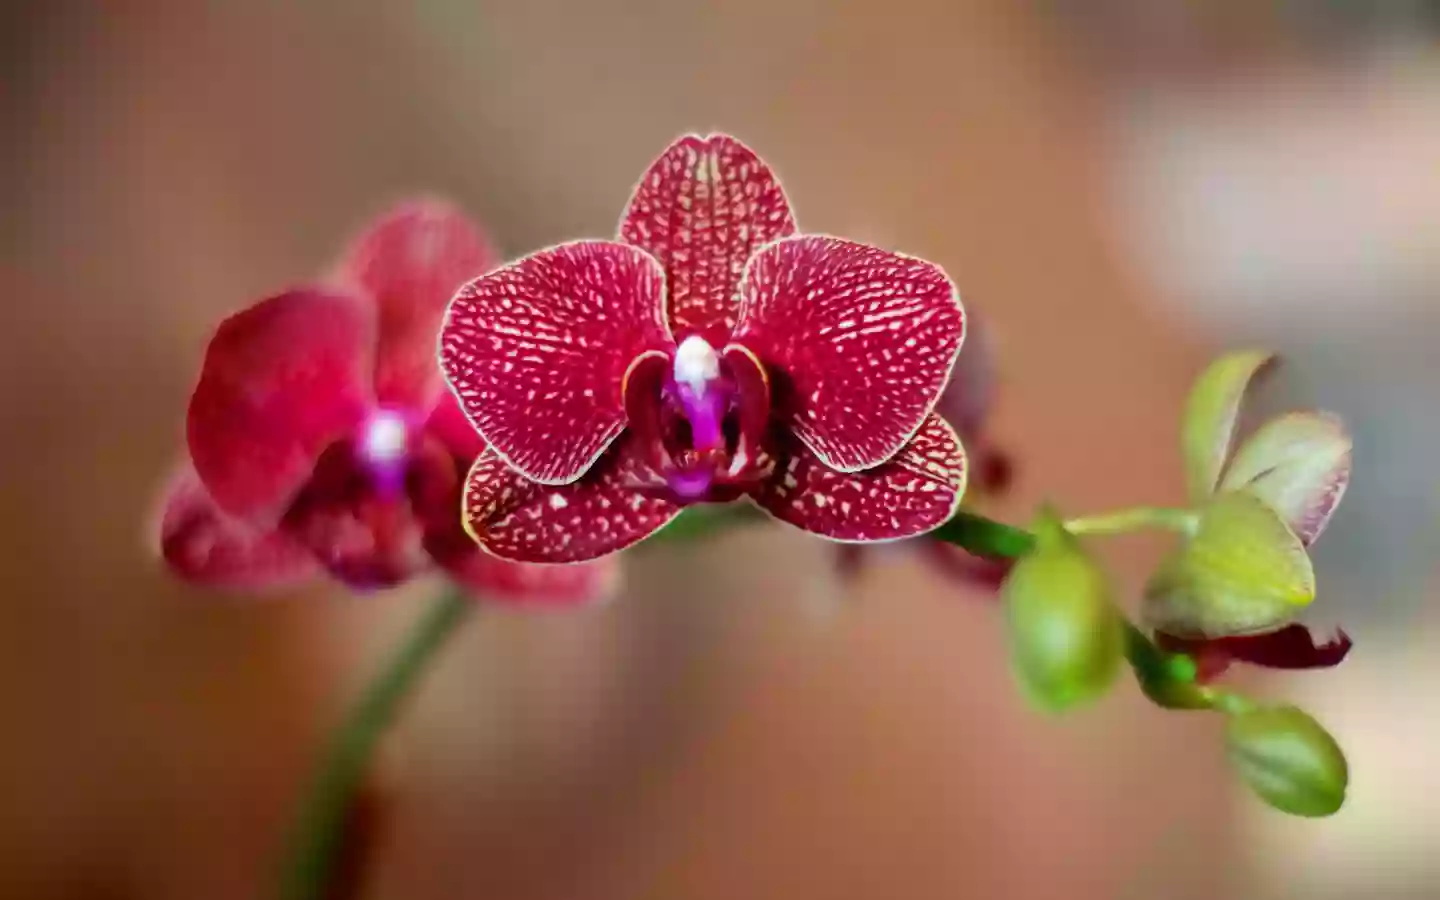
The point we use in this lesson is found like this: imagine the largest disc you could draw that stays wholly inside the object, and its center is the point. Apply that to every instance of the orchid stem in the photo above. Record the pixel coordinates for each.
(1168, 679)
(1135, 519)
(310, 862)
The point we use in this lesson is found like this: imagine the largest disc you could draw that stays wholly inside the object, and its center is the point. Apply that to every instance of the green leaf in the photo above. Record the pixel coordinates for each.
(1208, 426)
(1065, 635)
(1299, 463)
(1244, 571)
(1288, 760)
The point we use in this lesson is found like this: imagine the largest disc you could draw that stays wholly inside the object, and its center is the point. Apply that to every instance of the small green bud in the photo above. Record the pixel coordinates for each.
(1066, 636)
(1242, 572)
(1288, 760)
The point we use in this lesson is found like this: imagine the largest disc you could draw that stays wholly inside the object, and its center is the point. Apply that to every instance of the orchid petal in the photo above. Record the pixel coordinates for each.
(1243, 571)
(447, 424)
(203, 545)
(607, 510)
(281, 381)
(1291, 647)
(1211, 413)
(412, 262)
(859, 342)
(702, 209)
(917, 490)
(1298, 463)
(537, 352)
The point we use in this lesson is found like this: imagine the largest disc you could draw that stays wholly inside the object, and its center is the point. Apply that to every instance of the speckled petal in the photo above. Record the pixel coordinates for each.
(702, 209)
(859, 343)
(412, 262)
(537, 352)
(204, 546)
(605, 511)
(916, 491)
(281, 381)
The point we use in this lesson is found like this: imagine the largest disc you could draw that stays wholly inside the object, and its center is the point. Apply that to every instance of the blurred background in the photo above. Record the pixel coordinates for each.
(1121, 187)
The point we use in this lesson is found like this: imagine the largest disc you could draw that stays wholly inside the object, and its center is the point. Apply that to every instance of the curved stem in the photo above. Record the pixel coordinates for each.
(309, 865)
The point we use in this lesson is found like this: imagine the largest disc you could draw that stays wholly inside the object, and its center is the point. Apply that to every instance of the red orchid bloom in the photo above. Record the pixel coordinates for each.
(321, 437)
(709, 354)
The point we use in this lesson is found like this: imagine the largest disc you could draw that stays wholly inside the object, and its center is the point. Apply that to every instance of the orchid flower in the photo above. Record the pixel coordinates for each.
(321, 439)
(709, 354)
(1261, 508)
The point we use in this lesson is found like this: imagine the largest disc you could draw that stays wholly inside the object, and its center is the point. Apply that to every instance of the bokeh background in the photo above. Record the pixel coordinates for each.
(1121, 187)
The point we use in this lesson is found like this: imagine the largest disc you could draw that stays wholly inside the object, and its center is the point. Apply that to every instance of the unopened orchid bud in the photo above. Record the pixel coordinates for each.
(1065, 634)
(1288, 760)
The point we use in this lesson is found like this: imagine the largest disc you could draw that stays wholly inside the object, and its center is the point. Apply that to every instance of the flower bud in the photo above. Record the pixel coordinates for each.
(1288, 760)
(1066, 636)
(1242, 572)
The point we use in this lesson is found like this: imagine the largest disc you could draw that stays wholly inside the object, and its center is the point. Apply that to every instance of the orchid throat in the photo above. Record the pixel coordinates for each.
(700, 424)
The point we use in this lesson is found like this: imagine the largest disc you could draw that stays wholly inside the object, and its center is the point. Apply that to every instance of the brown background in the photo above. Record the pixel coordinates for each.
(737, 724)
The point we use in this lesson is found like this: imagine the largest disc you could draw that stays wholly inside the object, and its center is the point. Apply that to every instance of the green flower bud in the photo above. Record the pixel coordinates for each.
(1065, 635)
(1242, 572)
(1288, 760)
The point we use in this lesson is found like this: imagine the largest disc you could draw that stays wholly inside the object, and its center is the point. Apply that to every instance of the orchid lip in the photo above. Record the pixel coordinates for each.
(384, 449)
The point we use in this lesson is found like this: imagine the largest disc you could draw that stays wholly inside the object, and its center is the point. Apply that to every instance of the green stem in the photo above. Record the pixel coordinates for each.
(985, 537)
(1168, 679)
(309, 865)
(1135, 519)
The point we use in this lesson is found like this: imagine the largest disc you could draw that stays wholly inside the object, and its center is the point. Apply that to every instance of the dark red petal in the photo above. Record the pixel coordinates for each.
(965, 568)
(702, 209)
(859, 343)
(917, 490)
(1292, 647)
(849, 561)
(363, 534)
(537, 352)
(203, 545)
(522, 521)
(412, 262)
(448, 424)
(281, 381)
(522, 584)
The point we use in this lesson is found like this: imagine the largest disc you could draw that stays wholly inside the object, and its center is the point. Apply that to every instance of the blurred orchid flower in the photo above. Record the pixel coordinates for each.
(710, 354)
(1233, 589)
(321, 438)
